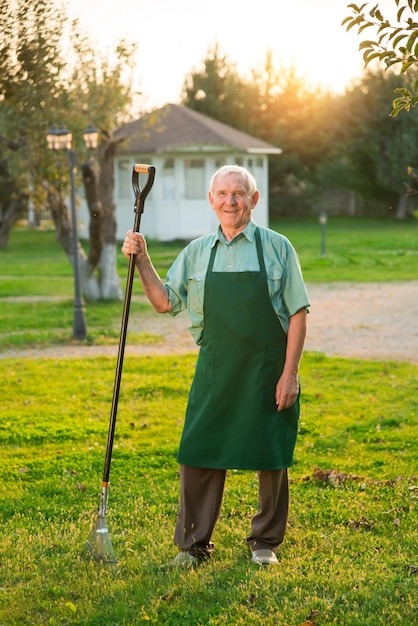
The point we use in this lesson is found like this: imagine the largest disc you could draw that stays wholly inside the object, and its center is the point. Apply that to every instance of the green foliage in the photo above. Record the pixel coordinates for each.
(328, 141)
(380, 148)
(395, 44)
(349, 556)
(272, 103)
(30, 90)
(217, 90)
(50, 73)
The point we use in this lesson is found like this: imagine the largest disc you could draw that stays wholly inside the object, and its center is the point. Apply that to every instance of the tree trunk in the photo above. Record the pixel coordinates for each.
(8, 218)
(96, 216)
(91, 287)
(60, 217)
(109, 280)
(402, 208)
(99, 278)
(63, 231)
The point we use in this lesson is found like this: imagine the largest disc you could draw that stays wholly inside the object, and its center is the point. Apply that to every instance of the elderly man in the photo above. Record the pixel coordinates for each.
(243, 290)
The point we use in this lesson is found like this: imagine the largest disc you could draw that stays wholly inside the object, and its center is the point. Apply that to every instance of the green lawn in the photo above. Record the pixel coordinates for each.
(35, 265)
(350, 552)
(356, 250)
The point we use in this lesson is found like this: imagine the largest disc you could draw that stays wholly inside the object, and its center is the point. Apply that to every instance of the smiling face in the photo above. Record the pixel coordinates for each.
(232, 203)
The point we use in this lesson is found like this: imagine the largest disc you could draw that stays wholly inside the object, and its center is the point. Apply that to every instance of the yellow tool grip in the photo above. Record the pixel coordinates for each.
(141, 168)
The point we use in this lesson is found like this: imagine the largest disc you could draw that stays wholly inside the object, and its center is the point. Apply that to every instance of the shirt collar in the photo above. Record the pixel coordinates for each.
(248, 232)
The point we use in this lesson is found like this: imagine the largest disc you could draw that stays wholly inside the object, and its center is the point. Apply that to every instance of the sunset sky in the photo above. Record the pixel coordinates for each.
(174, 36)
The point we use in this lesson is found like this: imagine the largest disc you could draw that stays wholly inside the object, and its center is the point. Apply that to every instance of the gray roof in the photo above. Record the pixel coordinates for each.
(175, 127)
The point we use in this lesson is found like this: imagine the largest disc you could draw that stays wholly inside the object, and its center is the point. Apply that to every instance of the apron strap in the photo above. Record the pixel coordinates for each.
(212, 257)
(260, 253)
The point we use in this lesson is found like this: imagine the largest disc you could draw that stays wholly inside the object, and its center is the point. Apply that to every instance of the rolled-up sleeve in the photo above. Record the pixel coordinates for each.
(185, 283)
(285, 281)
(295, 296)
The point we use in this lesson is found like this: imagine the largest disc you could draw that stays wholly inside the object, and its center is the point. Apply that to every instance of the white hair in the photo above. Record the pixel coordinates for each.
(249, 180)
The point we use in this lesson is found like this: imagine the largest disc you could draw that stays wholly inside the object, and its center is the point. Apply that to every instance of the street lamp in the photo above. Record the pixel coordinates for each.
(61, 139)
(323, 218)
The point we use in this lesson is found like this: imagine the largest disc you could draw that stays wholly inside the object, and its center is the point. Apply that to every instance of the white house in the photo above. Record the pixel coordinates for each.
(186, 148)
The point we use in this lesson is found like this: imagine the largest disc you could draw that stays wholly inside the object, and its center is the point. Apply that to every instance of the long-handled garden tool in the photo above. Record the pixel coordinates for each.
(99, 542)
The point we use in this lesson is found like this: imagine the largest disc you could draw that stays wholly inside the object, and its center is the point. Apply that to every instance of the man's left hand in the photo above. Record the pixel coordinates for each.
(287, 390)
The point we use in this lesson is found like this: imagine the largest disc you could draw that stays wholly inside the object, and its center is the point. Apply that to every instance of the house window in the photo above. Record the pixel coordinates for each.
(168, 183)
(194, 170)
(124, 180)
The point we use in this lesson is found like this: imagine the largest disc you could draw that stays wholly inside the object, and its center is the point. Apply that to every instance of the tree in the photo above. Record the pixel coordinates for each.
(29, 60)
(216, 90)
(396, 44)
(271, 103)
(50, 73)
(102, 91)
(379, 149)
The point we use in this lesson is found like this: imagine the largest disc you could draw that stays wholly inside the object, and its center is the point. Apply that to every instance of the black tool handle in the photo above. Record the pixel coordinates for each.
(140, 195)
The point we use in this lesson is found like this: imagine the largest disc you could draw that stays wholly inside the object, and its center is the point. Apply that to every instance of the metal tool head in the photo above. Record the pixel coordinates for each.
(99, 542)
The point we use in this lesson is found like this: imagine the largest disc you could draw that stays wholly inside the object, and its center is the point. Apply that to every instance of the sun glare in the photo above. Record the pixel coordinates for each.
(174, 39)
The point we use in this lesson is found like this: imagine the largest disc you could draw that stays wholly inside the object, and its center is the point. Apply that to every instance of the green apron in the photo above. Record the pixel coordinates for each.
(231, 419)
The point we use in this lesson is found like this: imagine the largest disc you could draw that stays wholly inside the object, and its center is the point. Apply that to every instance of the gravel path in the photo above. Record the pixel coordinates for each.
(356, 320)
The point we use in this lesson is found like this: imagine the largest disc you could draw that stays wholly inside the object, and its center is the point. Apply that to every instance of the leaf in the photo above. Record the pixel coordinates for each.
(313, 615)
(399, 13)
(346, 20)
(360, 30)
(410, 61)
(356, 8)
(396, 32)
(398, 39)
(373, 11)
(71, 606)
(367, 44)
(356, 21)
(362, 522)
(411, 40)
(170, 595)
(383, 27)
(367, 57)
(332, 477)
(390, 62)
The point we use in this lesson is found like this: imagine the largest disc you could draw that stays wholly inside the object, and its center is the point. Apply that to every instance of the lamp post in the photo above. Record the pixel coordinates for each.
(323, 218)
(61, 139)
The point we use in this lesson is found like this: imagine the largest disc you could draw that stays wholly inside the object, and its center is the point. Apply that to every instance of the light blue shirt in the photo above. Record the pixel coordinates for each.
(185, 280)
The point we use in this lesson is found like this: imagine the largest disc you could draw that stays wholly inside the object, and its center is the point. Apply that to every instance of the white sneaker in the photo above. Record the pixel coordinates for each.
(264, 557)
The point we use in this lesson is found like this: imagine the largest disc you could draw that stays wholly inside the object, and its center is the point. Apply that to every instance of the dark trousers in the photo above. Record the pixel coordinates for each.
(201, 492)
